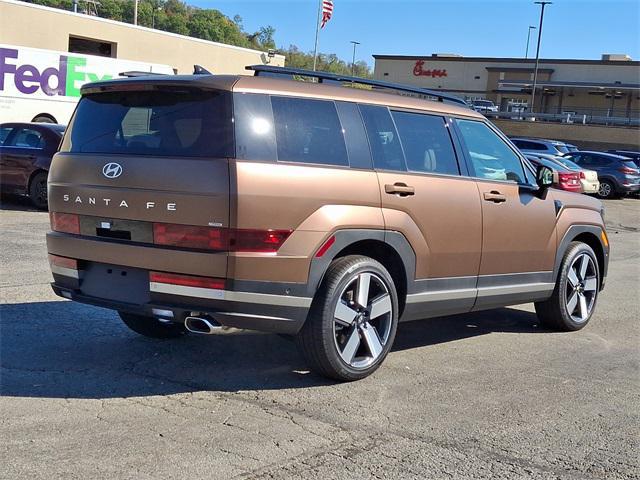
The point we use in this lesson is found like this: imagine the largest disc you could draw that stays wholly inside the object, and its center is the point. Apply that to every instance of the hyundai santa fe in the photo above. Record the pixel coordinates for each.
(326, 213)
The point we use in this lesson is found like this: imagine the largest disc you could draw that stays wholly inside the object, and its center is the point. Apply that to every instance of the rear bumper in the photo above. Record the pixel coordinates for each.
(630, 188)
(246, 310)
(590, 187)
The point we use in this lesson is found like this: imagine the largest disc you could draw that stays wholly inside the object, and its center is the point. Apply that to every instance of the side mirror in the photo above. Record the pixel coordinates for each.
(545, 177)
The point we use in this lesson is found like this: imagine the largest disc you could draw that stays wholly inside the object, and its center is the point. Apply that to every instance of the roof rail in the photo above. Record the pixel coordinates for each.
(332, 77)
(138, 73)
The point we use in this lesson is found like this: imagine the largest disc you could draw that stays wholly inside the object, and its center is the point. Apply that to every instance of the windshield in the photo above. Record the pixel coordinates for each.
(168, 122)
(483, 103)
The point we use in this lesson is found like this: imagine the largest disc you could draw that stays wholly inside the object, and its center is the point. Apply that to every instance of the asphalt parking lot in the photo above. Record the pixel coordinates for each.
(489, 395)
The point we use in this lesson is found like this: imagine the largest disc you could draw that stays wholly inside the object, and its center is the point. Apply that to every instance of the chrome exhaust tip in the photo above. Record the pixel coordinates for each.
(204, 325)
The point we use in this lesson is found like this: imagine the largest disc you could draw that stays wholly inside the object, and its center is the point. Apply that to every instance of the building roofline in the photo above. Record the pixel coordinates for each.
(507, 60)
(128, 25)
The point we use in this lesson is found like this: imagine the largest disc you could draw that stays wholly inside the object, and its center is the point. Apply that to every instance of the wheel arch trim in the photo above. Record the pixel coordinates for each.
(573, 232)
(348, 237)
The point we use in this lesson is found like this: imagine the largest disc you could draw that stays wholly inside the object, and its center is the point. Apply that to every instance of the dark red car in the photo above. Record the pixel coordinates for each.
(25, 155)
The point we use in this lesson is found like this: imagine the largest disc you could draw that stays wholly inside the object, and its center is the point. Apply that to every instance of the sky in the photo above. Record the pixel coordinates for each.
(582, 29)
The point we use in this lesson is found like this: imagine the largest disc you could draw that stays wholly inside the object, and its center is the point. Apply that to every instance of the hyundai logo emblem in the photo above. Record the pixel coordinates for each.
(112, 170)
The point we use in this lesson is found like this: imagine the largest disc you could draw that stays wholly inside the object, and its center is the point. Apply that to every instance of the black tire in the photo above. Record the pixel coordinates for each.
(152, 327)
(44, 118)
(607, 189)
(556, 312)
(38, 191)
(321, 333)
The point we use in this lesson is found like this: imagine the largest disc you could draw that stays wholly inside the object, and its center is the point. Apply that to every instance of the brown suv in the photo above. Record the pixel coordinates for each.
(188, 203)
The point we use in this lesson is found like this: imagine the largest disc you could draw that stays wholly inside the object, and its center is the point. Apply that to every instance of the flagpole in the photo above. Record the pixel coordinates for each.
(315, 48)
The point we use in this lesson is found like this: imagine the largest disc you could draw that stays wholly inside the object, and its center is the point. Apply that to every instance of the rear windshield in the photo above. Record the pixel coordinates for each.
(169, 122)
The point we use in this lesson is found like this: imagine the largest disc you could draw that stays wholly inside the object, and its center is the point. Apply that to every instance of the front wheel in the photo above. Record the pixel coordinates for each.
(353, 319)
(152, 327)
(574, 297)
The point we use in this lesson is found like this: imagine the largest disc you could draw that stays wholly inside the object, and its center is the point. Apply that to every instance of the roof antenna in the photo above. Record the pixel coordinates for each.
(200, 70)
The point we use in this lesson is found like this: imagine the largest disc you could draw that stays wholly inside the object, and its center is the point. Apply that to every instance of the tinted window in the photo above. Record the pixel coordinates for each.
(383, 138)
(587, 159)
(167, 123)
(27, 137)
(255, 135)
(308, 131)
(490, 156)
(562, 148)
(526, 145)
(4, 133)
(426, 143)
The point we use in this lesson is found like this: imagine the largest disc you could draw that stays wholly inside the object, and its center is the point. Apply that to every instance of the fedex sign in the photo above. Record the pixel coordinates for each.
(46, 74)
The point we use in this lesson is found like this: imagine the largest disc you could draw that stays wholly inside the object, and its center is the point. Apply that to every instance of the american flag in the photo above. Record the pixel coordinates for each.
(327, 11)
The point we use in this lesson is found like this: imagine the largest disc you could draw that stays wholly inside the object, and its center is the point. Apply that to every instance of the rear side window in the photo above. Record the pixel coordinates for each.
(308, 131)
(525, 145)
(491, 157)
(426, 143)
(383, 138)
(27, 138)
(168, 122)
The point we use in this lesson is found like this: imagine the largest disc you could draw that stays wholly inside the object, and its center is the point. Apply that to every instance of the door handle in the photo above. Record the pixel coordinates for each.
(400, 189)
(495, 197)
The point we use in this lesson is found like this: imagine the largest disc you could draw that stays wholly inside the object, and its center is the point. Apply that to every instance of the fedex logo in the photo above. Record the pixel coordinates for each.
(64, 77)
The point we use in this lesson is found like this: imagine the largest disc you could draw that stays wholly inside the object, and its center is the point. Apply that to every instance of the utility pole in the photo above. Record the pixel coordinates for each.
(353, 60)
(535, 71)
(526, 53)
(135, 12)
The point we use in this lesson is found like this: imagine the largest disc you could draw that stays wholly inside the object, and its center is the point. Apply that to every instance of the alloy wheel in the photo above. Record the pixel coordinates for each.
(582, 288)
(41, 192)
(605, 189)
(362, 320)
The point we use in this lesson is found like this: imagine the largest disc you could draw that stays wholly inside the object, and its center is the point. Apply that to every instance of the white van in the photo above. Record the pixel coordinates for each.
(44, 85)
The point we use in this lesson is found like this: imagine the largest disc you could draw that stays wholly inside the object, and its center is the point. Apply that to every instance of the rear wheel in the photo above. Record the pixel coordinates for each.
(353, 319)
(574, 298)
(38, 190)
(607, 189)
(152, 327)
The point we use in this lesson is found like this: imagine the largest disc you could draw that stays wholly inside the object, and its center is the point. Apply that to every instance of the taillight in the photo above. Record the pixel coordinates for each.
(212, 238)
(569, 179)
(186, 280)
(582, 176)
(206, 238)
(628, 170)
(63, 262)
(267, 241)
(65, 222)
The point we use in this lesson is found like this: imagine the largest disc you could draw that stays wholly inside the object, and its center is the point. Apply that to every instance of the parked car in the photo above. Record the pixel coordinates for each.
(632, 154)
(618, 175)
(321, 211)
(568, 180)
(540, 145)
(484, 106)
(25, 155)
(588, 178)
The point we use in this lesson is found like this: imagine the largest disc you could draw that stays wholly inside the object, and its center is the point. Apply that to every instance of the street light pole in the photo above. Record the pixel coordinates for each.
(535, 71)
(526, 52)
(135, 12)
(353, 60)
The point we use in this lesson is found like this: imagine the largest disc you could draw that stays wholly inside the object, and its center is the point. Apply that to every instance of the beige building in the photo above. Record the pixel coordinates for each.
(35, 26)
(607, 87)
